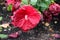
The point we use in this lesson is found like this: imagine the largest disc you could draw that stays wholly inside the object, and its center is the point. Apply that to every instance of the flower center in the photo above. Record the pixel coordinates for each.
(26, 17)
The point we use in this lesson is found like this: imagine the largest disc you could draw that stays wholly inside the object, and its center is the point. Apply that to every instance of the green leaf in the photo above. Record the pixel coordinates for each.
(43, 6)
(47, 2)
(3, 36)
(9, 8)
(24, 1)
(0, 28)
(33, 2)
(1, 18)
(53, 0)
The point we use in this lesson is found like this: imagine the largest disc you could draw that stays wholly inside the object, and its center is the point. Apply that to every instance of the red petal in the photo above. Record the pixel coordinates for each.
(57, 35)
(14, 35)
(27, 26)
(34, 19)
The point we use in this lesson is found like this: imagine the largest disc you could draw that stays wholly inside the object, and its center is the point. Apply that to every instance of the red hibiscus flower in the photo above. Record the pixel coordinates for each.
(15, 3)
(12, 1)
(54, 8)
(8, 2)
(26, 17)
(15, 6)
(47, 15)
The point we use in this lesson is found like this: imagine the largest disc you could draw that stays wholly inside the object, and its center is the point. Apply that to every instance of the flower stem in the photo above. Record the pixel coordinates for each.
(28, 1)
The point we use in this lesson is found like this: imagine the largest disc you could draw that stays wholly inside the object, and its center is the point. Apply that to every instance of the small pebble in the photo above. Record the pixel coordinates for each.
(42, 22)
(5, 29)
(4, 8)
(55, 22)
(46, 24)
(9, 29)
